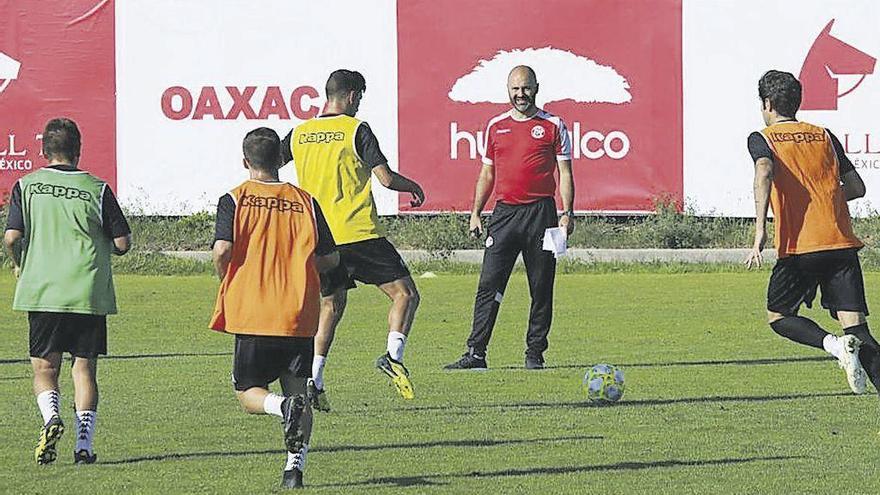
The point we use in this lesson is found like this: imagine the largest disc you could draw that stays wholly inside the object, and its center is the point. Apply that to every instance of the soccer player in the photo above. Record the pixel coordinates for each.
(803, 174)
(524, 147)
(335, 155)
(271, 241)
(63, 225)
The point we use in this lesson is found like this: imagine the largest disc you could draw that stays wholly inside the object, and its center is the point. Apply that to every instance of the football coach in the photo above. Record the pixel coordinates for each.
(524, 147)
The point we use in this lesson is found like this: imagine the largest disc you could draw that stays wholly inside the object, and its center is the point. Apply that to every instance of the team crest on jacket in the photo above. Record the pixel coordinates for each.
(537, 132)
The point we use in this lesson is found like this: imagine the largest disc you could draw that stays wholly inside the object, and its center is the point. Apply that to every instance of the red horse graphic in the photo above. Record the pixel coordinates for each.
(827, 58)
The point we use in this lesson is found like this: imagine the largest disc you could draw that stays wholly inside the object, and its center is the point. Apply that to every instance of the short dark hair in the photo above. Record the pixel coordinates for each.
(61, 140)
(262, 149)
(343, 81)
(783, 90)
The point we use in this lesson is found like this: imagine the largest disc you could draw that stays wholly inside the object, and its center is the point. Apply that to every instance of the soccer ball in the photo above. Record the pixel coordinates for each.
(604, 384)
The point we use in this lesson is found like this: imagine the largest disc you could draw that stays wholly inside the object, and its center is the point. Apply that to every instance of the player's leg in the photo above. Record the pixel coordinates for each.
(255, 365)
(46, 370)
(404, 302)
(85, 386)
(45, 352)
(499, 257)
(298, 412)
(377, 262)
(541, 272)
(88, 341)
(334, 297)
(789, 287)
(843, 294)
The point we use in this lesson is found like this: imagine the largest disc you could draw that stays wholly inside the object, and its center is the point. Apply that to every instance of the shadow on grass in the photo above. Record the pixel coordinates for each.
(626, 403)
(360, 448)
(11, 378)
(724, 362)
(435, 479)
(136, 356)
(720, 362)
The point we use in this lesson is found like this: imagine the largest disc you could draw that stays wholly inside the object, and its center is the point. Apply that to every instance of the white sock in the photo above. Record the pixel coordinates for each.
(49, 403)
(85, 430)
(318, 370)
(272, 405)
(396, 342)
(297, 460)
(832, 345)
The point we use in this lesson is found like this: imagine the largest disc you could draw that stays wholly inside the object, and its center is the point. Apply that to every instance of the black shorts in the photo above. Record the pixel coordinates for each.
(373, 261)
(838, 273)
(260, 360)
(83, 336)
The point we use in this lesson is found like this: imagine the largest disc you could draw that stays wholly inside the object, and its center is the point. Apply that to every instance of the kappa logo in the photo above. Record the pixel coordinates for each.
(321, 137)
(828, 59)
(271, 203)
(537, 132)
(58, 191)
(9, 69)
(797, 137)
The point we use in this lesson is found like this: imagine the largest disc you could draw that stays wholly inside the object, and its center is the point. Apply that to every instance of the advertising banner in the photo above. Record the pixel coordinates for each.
(610, 69)
(56, 60)
(729, 45)
(659, 96)
(194, 77)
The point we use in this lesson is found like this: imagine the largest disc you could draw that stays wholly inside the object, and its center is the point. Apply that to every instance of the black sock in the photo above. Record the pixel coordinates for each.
(801, 330)
(869, 352)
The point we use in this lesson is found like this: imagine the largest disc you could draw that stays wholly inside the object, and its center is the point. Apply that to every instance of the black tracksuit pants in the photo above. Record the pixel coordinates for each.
(515, 229)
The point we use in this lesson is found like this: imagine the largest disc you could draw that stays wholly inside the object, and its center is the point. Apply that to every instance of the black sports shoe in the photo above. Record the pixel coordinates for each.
(83, 457)
(468, 361)
(534, 362)
(292, 479)
(317, 396)
(292, 410)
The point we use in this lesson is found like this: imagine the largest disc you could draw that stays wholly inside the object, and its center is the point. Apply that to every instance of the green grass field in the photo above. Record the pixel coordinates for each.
(715, 401)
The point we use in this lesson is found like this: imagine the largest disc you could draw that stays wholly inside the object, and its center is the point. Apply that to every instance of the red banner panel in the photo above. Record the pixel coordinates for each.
(610, 69)
(56, 59)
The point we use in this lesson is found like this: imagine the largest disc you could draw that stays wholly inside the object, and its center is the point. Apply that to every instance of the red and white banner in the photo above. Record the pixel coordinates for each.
(56, 59)
(611, 70)
(659, 95)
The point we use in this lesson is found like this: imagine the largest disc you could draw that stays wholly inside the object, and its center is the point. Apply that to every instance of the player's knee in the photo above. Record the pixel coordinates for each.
(409, 295)
(413, 297)
(335, 304)
(83, 369)
(44, 368)
(773, 317)
(851, 318)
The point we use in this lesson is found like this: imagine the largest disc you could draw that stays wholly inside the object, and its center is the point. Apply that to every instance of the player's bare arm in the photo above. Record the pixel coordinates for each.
(327, 262)
(566, 192)
(853, 185)
(222, 255)
(12, 242)
(762, 184)
(397, 182)
(121, 244)
(485, 184)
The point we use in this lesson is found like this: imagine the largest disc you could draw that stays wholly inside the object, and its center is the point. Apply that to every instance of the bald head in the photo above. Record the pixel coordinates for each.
(522, 86)
(524, 73)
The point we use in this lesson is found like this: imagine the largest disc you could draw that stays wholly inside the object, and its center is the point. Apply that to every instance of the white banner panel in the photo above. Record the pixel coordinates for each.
(728, 44)
(193, 77)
